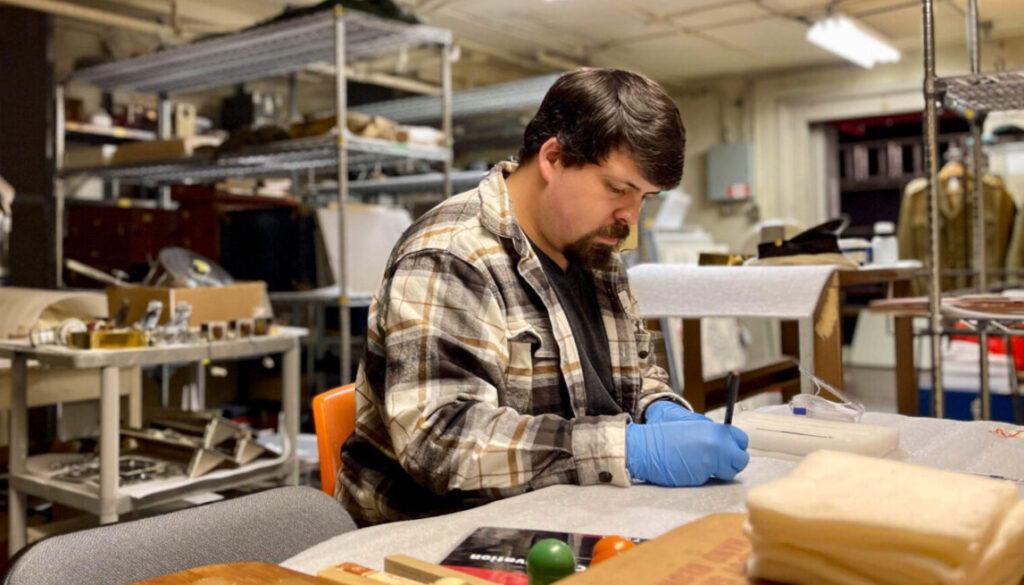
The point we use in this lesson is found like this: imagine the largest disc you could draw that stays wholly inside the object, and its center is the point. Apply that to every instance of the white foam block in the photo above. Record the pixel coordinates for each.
(792, 437)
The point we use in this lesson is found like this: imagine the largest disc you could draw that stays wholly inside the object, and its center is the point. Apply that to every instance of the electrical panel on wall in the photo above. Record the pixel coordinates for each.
(730, 172)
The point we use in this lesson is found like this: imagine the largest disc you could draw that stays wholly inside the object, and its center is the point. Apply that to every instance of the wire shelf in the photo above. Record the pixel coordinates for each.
(400, 184)
(523, 94)
(265, 51)
(980, 94)
(276, 158)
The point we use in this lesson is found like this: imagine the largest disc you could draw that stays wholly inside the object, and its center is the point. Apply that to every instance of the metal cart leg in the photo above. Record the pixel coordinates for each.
(165, 385)
(321, 344)
(290, 404)
(311, 346)
(110, 422)
(17, 501)
(135, 398)
(199, 377)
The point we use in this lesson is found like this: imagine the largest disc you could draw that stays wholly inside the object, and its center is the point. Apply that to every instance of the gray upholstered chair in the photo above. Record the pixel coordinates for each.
(268, 526)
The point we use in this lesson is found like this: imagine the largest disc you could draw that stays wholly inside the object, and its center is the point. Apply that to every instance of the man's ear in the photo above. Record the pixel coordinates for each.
(549, 158)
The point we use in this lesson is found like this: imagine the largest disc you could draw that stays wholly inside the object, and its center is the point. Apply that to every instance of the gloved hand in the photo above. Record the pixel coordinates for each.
(685, 453)
(664, 411)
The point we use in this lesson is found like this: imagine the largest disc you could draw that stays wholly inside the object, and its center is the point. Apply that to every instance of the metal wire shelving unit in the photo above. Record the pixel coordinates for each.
(973, 96)
(334, 37)
(317, 153)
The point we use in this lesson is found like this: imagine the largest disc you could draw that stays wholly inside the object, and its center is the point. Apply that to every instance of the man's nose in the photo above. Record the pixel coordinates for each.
(629, 212)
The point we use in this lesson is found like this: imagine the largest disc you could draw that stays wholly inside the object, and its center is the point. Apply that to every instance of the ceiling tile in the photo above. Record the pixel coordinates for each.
(775, 39)
(725, 13)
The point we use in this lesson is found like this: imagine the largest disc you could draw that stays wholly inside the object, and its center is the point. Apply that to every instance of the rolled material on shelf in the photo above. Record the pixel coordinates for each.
(24, 308)
(680, 290)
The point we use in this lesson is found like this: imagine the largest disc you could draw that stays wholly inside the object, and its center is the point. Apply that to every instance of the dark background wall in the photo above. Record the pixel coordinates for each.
(26, 139)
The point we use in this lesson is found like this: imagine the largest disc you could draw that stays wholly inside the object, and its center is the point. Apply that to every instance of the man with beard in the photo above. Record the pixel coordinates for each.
(504, 350)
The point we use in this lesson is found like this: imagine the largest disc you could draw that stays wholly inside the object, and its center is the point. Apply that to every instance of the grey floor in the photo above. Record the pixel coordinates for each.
(875, 388)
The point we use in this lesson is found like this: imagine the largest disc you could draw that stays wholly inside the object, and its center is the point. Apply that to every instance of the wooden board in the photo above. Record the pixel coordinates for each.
(237, 574)
(424, 572)
(709, 551)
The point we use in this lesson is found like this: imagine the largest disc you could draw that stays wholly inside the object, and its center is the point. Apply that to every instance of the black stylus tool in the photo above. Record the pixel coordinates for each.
(732, 388)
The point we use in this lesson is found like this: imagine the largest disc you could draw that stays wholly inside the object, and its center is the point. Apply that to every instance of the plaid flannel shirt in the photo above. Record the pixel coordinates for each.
(471, 387)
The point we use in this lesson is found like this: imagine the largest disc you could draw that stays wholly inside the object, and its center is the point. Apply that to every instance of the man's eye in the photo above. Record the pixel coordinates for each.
(616, 190)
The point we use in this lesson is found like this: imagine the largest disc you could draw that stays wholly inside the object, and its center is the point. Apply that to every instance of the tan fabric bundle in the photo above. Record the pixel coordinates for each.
(847, 519)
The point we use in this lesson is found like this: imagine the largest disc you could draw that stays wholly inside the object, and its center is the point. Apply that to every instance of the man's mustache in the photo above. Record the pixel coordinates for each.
(617, 230)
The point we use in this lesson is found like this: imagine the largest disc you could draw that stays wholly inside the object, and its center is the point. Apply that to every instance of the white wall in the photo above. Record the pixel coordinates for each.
(776, 112)
(714, 113)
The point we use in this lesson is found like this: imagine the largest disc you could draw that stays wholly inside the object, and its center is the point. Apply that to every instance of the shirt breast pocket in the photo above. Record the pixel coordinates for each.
(533, 364)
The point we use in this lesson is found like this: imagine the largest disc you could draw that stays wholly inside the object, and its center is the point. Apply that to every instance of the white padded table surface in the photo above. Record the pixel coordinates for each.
(648, 511)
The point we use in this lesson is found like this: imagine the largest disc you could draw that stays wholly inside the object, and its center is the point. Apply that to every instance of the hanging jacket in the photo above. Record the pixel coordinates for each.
(956, 230)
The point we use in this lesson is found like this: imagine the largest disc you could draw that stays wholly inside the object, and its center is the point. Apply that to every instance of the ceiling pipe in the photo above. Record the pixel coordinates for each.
(91, 15)
(504, 55)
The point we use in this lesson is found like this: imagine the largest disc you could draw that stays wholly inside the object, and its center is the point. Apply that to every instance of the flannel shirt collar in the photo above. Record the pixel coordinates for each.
(497, 215)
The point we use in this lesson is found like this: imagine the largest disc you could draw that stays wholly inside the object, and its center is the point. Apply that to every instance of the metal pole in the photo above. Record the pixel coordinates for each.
(976, 119)
(290, 402)
(1018, 408)
(344, 312)
(446, 114)
(978, 209)
(293, 114)
(17, 501)
(984, 382)
(932, 166)
(58, 185)
(163, 127)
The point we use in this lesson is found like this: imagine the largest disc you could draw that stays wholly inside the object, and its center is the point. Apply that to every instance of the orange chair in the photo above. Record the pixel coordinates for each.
(334, 417)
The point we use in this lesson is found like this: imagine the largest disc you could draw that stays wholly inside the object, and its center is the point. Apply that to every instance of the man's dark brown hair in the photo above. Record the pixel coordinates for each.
(594, 112)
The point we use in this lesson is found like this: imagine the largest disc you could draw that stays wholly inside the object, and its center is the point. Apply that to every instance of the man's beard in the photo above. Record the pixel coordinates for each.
(595, 255)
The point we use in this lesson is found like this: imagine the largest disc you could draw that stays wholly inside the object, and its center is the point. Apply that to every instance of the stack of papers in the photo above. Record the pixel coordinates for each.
(847, 519)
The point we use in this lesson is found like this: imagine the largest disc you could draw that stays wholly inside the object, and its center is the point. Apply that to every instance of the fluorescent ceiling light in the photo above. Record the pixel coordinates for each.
(852, 41)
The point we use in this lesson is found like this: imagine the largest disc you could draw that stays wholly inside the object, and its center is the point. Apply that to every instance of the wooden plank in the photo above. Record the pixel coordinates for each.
(906, 373)
(424, 572)
(828, 341)
(872, 276)
(238, 574)
(694, 388)
(336, 575)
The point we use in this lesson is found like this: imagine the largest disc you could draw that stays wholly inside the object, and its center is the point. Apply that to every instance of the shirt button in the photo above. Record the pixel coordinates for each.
(643, 354)
(604, 476)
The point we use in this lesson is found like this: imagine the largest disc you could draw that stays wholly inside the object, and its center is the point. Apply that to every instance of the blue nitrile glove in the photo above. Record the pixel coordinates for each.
(664, 411)
(685, 453)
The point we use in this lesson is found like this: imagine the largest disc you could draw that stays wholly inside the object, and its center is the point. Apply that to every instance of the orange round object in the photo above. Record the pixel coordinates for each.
(608, 547)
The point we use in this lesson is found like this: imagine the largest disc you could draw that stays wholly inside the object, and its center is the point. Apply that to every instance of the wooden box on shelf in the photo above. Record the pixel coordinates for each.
(222, 303)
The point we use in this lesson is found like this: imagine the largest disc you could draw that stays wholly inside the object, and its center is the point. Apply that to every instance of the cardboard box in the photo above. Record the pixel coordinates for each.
(162, 149)
(708, 551)
(89, 156)
(222, 303)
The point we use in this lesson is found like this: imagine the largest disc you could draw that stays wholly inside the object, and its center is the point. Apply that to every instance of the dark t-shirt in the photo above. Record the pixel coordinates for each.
(575, 290)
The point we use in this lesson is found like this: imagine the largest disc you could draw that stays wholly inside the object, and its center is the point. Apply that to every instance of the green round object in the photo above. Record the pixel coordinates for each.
(548, 561)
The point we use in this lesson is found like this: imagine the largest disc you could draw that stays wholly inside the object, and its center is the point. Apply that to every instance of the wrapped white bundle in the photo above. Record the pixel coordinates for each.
(847, 519)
